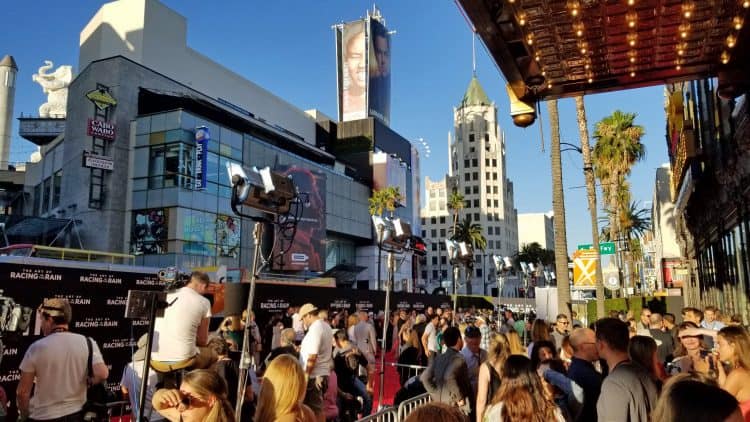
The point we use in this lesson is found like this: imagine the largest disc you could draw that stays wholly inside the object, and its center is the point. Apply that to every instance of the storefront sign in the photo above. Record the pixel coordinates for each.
(101, 98)
(101, 129)
(93, 161)
(202, 135)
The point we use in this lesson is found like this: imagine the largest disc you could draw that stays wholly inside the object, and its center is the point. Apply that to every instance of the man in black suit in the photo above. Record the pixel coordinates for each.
(447, 378)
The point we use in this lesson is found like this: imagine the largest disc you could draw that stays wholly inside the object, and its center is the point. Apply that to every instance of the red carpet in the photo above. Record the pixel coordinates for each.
(391, 381)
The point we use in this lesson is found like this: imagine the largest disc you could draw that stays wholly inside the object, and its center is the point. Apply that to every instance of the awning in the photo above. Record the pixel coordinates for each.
(344, 273)
(35, 229)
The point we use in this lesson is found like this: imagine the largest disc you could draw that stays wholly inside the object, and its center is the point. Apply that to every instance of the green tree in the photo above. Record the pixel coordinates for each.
(473, 235)
(534, 253)
(384, 200)
(455, 204)
(558, 207)
(583, 131)
(618, 147)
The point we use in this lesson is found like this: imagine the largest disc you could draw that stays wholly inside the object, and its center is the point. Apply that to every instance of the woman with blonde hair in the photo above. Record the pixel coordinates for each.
(490, 373)
(202, 397)
(522, 396)
(282, 392)
(734, 350)
(514, 341)
(692, 397)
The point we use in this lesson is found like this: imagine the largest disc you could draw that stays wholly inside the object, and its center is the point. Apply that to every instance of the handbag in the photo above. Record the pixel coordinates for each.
(95, 408)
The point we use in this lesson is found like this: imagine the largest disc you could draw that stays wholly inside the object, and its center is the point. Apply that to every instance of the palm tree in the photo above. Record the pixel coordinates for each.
(455, 204)
(588, 169)
(383, 200)
(558, 206)
(618, 147)
(473, 235)
(634, 222)
(534, 253)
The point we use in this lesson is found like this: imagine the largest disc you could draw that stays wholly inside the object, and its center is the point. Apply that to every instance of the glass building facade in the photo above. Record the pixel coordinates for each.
(175, 224)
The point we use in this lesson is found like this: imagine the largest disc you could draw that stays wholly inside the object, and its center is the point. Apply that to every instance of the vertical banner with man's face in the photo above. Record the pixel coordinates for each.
(308, 250)
(352, 71)
(380, 72)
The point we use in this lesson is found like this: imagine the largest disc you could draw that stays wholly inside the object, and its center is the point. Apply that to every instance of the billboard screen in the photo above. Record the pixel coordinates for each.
(149, 232)
(307, 251)
(379, 98)
(352, 71)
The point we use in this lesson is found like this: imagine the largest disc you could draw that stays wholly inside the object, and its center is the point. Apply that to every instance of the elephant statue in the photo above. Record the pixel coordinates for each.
(55, 85)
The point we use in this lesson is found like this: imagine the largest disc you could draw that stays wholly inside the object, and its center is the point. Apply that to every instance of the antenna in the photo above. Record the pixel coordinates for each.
(473, 54)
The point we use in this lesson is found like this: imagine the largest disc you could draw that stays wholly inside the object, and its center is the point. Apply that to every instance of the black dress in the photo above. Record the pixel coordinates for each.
(494, 383)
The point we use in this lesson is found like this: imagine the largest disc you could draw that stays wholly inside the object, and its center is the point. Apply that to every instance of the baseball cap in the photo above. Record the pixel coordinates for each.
(57, 307)
(472, 332)
(140, 354)
(306, 309)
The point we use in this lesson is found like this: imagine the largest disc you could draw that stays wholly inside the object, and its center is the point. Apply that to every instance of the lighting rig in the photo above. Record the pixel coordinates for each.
(277, 196)
(460, 255)
(394, 237)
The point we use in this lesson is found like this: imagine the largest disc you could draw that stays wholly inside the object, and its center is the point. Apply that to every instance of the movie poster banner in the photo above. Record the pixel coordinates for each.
(149, 233)
(379, 90)
(98, 299)
(352, 71)
(308, 250)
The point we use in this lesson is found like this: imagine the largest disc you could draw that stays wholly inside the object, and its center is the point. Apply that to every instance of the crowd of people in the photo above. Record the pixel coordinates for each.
(311, 364)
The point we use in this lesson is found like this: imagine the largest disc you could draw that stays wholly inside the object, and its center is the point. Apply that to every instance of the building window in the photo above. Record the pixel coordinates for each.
(467, 190)
(490, 244)
(496, 202)
(56, 188)
(466, 163)
(486, 161)
(467, 177)
(488, 189)
(475, 175)
(476, 216)
(433, 220)
(467, 203)
(487, 137)
(494, 176)
(424, 274)
(46, 189)
(442, 233)
(443, 260)
(37, 199)
(487, 176)
(434, 260)
(171, 165)
(489, 230)
(442, 220)
(433, 233)
(424, 221)
(494, 189)
(433, 246)
(434, 274)
(494, 162)
(424, 233)
(471, 137)
(489, 216)
(474, 162)
(476, 203)
(489, 202)
(479, 272)
(476, 189)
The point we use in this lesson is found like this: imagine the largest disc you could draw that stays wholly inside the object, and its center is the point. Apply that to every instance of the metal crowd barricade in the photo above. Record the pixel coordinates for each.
(407, 406)
(119, 411)
(413, 370)
(389, 414)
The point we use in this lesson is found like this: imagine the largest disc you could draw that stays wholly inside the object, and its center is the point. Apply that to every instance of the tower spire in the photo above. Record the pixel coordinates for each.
(473, 54)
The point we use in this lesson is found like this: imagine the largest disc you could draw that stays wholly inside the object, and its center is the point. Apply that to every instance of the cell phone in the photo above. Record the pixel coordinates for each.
(705, 353)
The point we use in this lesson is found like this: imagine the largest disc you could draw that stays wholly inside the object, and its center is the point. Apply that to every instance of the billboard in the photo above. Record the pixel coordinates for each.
(352, 70)
(307, 251)
(228, 236)
(202, 136)
(379, 98)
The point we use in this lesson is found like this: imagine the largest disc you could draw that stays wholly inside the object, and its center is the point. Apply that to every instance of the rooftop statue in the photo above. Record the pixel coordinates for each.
(55, 85)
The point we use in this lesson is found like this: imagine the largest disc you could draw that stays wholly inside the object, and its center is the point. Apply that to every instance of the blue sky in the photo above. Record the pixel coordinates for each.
(288, 48)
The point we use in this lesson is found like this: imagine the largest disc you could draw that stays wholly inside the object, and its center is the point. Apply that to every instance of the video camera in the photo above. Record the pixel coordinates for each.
(173, 278)
(14, 318)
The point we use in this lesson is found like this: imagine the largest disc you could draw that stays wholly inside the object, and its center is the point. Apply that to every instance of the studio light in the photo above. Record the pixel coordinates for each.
(262, 189)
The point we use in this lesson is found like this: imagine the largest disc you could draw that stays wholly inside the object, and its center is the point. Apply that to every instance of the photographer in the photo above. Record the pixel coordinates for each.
(181, 335)
(58, 365)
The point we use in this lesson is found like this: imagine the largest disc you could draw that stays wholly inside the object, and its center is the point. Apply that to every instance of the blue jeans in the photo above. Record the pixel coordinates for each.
(361, 391)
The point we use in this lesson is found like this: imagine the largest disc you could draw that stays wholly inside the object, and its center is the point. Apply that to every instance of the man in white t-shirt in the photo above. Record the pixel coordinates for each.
(58, 365)
(316, 355)
(131, 384)
(429, 338)
(181, 335)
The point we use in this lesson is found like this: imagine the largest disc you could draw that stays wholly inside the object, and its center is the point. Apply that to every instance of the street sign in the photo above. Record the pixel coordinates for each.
(605, 248)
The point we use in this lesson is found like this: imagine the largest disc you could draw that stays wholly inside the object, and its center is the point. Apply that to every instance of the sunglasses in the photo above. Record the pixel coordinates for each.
(684, 337)
(189, 401)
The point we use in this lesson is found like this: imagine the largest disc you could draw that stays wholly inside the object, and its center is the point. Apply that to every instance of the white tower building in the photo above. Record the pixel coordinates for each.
(8, 71)
(476, 171)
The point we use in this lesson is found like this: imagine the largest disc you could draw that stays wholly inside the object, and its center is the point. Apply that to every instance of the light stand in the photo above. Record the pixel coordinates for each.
(459, 254)
(272, 193)
(391, 264)
(245, 357)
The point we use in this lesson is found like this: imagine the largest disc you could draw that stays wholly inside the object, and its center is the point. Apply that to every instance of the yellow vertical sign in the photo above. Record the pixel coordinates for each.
(584, 268)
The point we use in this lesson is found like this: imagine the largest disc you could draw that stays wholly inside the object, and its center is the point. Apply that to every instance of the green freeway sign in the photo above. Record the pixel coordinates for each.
(605, 248)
